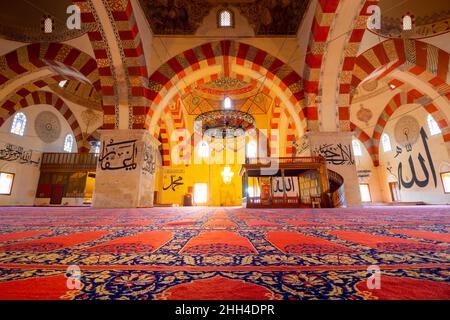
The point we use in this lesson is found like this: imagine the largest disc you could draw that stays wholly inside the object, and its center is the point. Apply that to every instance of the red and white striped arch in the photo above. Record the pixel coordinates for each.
(407, 97)
(367, 141)
(130, 44)
(323, 18)
(424, 60)
(63, 59)
(51, 99)
(12, 99)
(103, 58)
(349, 57)
(186, 68)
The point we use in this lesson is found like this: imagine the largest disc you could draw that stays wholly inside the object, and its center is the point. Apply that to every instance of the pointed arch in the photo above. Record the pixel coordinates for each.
(350, 53)
(320, 29)
(51, 99)
(407, 97)
(63, 59)
(222, 54)
(367, 141)
(423, 60)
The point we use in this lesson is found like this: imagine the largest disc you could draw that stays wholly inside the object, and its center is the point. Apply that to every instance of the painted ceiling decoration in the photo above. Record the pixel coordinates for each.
(80, 93)
(370, 85)
(225, 84)
(23, 21)
(183, 17)
(407, 130)
(364, 114)
(267, 17)
(222, 87)
(48, 126)
(217, 89)
(430, 18)
(275, 17)
(196, 104)
(168, 17)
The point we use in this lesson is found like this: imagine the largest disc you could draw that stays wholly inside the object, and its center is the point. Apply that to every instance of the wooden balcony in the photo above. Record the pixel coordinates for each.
(285, 160)
(273, 166)
(69, 162)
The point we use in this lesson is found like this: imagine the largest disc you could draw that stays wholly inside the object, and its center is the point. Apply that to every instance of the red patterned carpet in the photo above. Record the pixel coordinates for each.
(225, 253)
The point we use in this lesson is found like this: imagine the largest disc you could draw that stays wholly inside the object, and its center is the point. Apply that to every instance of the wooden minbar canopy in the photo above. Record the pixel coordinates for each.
(285, 182)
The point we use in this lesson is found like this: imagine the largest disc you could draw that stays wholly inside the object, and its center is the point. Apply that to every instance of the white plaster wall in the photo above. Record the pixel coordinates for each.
(364, 162)
(30, 140)
(24, 186)
(26, 177)
(440, 158)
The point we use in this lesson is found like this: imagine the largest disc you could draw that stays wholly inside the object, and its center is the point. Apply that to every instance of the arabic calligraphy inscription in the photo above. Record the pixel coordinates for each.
(118, 155)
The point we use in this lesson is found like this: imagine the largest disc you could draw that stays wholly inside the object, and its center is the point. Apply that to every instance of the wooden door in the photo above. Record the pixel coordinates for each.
(57, 194)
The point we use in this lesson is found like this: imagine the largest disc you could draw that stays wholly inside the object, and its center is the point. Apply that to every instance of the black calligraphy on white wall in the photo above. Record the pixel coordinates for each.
(424, 164)
(17, 154)
(118, 155)
(336, 154)
(174, 183)
(149, 160)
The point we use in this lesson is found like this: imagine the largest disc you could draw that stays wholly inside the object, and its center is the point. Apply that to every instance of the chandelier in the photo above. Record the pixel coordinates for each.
(227, 174)
(224, 124)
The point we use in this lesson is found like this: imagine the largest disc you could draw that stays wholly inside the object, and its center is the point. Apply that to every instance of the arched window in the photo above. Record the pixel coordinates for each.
(225, 19)
(357, 148)
(252, 149)
(407, 23)
(68, 143)
(433, 126)
(48, 25)
(19, 124)
(203, 149)
(96, 147)
(227, 103)
(386, 142)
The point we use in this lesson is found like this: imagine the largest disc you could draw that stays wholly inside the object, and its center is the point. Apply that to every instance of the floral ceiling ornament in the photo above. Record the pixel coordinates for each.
(364, 114)
(370, 85)
(48, 126)
(407, 131)
(89, 116)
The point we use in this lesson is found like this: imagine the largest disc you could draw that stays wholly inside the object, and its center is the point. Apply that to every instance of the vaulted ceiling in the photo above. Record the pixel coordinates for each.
(22, 20)
(183, 17)
(429, 17)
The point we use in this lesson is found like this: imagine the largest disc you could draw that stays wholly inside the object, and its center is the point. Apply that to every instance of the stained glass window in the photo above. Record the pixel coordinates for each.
(386, 142)
(433, 126)
(68, 143)
(19, 124)
(357, 148)
(225, 19)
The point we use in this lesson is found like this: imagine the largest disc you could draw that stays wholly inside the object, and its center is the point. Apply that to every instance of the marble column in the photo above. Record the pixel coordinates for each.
(125, 176)
(336, 148)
